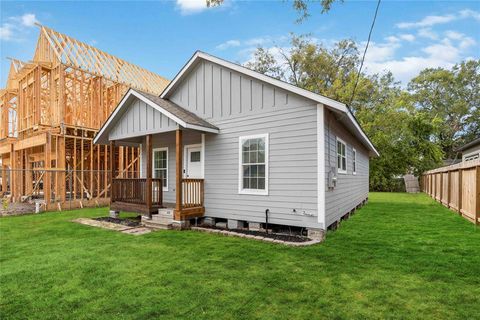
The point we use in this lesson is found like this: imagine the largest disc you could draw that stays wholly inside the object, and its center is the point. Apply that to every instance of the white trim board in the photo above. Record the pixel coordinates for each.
(321, 165)
(275, 82)
(153, 163)
(341, 171)
(185, 158)
(240, 165)
(354, 161)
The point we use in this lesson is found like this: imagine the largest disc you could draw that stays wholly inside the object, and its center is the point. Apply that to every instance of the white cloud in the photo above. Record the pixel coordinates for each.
(467, 43)
(430, 21)
(17, 25)
(444, 53)
(191, 6)
(407, 37)
(258, 41)
(228, 44)
(406, 68)
(427, 33)
(467, 13)
(378, 52)
(6, 31)
(29, 20)
(464, 41)
(392, 39)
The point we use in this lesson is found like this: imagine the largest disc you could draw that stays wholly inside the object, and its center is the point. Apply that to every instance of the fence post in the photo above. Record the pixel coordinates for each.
(460, 187)
(477, 197)
(449, 180)
(440, 196)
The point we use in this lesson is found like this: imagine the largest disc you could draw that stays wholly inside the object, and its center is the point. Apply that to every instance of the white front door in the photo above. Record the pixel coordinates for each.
(193, 162)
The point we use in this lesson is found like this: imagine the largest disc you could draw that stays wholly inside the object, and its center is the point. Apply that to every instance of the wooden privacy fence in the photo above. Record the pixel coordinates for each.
(457, 187)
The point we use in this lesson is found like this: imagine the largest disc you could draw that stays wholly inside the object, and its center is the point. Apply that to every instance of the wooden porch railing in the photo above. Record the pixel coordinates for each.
(193, 192)
(134, 191)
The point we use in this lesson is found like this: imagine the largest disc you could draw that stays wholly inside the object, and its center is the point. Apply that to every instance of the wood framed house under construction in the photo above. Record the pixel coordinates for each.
(50, 111)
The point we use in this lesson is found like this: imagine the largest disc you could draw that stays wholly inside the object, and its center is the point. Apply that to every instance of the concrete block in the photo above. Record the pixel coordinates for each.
(114, 214)
(316, 234)
(180, 225)
(254, 226)
(209, 221)
(222, 225)
(234, 224)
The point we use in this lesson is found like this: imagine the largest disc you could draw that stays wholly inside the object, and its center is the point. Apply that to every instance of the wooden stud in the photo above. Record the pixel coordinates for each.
(91, 168)
(112, 167)
(47, 188)
(61, 167)
(82, 173)
(105, 168)
(74, 168)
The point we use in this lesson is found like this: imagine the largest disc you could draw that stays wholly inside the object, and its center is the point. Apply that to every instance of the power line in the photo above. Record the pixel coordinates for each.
(365, 52)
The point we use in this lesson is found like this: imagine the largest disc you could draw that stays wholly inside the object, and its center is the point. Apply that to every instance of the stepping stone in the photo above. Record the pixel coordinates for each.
(137, 231)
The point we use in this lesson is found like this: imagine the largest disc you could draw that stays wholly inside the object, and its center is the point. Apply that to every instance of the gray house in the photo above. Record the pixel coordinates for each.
(224, 142)
(471, 150)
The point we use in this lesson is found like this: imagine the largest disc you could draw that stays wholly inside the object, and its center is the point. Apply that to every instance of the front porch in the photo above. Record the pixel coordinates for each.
(161, 129)
(146, 194)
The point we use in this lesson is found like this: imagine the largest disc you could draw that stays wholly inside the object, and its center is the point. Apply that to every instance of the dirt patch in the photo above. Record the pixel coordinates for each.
(129, 222)
(17, 208)
(274, 236)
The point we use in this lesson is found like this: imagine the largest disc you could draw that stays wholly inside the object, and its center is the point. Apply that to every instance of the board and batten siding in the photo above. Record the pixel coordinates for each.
(351, 189)
(140, 119)
(242, 106)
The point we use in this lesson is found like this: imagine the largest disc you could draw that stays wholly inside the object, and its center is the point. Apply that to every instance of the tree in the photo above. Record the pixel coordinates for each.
(401, 133)
(264, 62)
(301, 6)
(453, 98)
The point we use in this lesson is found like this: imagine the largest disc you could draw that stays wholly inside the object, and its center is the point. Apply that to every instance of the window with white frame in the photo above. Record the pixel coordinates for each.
(253, 171)
(160, 165)
(341, 156)
(354, 161)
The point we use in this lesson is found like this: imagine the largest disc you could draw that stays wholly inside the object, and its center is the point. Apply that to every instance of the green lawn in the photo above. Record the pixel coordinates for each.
(401, 256)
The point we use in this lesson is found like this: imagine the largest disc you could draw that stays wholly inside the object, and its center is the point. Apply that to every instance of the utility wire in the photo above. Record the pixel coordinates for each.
(365, 52)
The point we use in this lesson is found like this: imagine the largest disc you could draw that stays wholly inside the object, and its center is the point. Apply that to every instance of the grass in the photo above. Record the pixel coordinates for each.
(401, 257)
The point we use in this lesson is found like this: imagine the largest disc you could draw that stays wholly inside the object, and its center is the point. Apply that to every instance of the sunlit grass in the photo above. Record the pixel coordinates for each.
(401, 256)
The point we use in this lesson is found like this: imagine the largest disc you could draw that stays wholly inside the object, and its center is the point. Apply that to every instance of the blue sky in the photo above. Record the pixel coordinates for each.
(161, 36)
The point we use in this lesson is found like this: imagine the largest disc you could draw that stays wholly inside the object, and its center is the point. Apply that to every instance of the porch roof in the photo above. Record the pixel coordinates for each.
(179, 115)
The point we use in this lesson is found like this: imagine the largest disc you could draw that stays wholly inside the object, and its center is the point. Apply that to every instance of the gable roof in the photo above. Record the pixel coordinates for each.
(471, 144)
(337, 106)
(190, 118)
(173, 111)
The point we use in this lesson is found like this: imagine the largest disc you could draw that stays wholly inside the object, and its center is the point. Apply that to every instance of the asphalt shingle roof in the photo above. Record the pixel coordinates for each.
(175, 109)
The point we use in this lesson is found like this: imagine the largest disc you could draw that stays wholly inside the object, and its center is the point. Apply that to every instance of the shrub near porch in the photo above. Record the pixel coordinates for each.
(401, 256)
